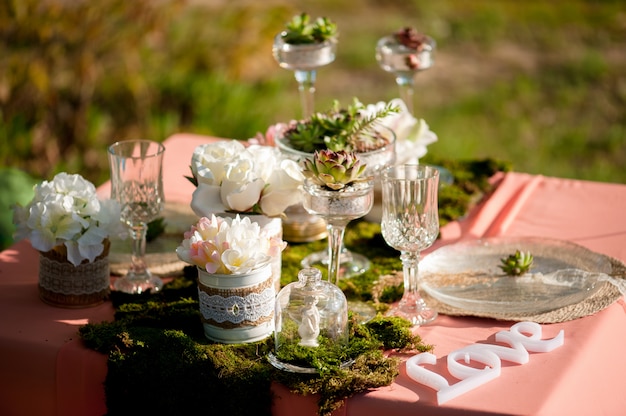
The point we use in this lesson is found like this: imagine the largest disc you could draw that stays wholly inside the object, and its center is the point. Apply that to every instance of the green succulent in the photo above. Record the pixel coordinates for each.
(334, 170)
(300, 30)
(517, 264)
(339, 129)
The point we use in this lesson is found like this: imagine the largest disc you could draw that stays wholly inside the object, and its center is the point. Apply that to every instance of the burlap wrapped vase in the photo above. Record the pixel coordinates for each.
(237, 308)
(65, 285)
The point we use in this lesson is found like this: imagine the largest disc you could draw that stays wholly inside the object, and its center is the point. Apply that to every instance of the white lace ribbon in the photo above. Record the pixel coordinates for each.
(237, 309)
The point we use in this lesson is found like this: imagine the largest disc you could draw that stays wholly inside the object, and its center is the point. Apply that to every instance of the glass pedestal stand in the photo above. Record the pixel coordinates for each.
(304, 59)
(350, 263)
(338, 208)
(405, 63)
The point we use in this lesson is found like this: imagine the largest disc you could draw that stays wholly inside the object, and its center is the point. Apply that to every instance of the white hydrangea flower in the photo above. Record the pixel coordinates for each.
(66, 211)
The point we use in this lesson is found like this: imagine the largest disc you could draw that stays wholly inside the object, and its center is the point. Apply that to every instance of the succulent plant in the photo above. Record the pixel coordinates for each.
(334, 170)
(339, 129)
(300, 30)
(517, 264)
(411, 38)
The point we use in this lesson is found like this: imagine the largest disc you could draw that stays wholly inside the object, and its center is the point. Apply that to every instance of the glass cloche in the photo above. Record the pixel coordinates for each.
(311, 318)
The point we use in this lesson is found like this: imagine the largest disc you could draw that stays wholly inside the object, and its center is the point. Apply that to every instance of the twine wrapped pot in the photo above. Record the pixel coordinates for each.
(64, 285)
(237, 308)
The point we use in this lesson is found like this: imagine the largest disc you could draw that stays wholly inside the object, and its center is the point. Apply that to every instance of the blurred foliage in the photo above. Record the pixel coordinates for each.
(17, 187)
(539, 83)
(80, 75)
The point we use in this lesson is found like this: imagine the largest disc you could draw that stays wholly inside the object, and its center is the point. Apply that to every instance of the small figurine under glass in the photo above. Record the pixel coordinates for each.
(311, 313)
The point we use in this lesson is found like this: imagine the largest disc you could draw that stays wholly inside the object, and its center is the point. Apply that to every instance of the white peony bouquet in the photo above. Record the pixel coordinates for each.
(231, 177)
(67, 212)
(228, 245)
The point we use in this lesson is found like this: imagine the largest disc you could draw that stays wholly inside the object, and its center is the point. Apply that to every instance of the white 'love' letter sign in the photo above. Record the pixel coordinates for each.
(523, 337)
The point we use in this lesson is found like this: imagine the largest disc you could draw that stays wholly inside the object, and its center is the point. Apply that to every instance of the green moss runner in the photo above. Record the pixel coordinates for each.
(159, 361)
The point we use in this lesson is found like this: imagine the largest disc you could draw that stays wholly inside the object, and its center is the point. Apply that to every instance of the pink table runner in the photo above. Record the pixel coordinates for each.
(45, 369)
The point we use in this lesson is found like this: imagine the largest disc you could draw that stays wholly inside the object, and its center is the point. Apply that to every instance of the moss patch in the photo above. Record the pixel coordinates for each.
(159, 361)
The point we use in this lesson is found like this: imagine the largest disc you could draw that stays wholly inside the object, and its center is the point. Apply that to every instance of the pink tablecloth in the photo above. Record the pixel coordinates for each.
(45, 369)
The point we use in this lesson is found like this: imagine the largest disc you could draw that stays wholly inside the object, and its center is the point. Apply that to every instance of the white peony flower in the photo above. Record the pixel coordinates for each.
(241, 196)
(412, 135)
(227, 245)
(66, 211)
(282, 190)
(209, 160)
(254, 179)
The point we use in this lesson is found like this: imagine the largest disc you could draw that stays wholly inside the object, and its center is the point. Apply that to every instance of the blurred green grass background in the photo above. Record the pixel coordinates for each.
(539, 83)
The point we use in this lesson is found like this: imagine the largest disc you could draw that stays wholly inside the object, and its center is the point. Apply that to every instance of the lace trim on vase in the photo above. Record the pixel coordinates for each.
(234, 308)
(67, 279)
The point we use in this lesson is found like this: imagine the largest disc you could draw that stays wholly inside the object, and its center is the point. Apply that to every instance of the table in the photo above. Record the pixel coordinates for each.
(45, 369)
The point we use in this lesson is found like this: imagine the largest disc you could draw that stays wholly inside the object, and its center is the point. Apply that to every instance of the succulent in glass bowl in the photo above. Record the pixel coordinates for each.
(354, 128)
(301, 30)
(306, 44)
(405, 51)
(338, 190)
(333, 170)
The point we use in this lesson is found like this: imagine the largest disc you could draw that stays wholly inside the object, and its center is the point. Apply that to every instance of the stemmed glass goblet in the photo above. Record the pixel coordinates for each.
(338, 208)
(304, 59)
(350, 263)
(137, 184)
(410, 223)
(406, 60)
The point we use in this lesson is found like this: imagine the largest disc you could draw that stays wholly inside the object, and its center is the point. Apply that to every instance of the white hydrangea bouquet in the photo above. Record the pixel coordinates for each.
(231, 177)
(65, 214)
(228, 245)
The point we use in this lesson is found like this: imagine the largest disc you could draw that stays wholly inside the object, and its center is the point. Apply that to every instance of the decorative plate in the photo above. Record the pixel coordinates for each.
(466, 275)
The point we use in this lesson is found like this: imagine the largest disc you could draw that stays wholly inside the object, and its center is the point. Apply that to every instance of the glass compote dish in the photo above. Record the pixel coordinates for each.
(137, 184)
(410, 224)
(336, 191)
(404, 54)
(303, 48)
(350, 263)
(373, 143)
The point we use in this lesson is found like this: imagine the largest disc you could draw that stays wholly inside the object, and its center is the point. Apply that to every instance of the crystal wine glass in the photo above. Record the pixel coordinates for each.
(410, 223)
(405, 60)
(137, 184)
(304, 59)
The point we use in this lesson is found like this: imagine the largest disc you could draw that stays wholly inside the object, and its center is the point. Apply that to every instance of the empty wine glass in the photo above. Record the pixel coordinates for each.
(304, 59)
(137, 184)
(405, 60)
(410, 223)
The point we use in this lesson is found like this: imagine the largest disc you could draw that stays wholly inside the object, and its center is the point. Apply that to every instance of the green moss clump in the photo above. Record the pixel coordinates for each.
(182, 371)
(157, 350)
